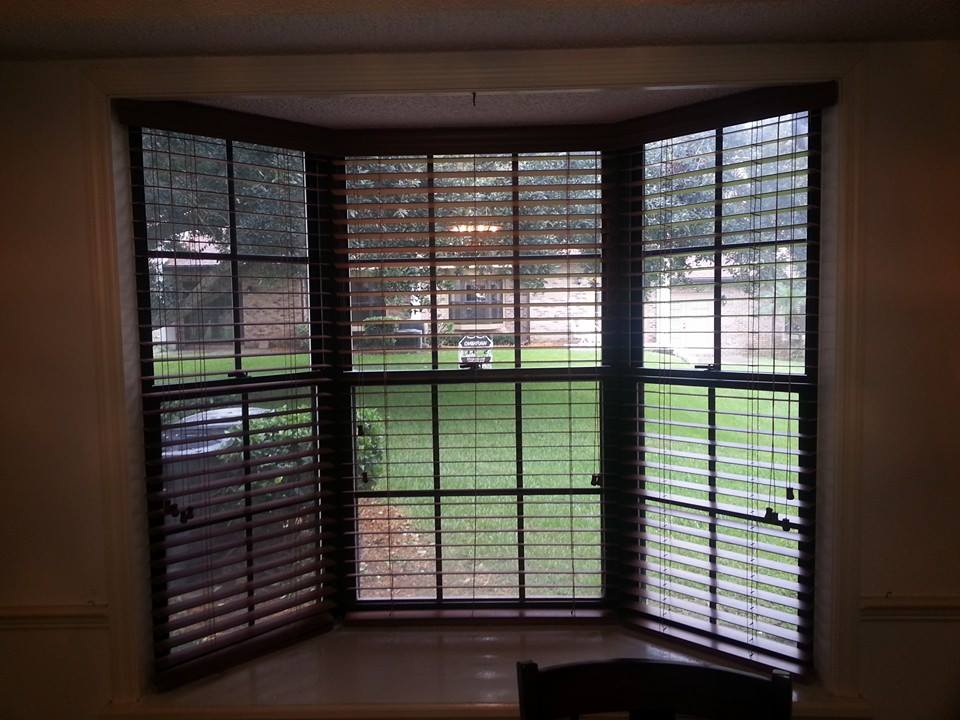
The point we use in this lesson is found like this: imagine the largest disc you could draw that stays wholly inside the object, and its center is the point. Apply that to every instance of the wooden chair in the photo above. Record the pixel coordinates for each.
(650, 690)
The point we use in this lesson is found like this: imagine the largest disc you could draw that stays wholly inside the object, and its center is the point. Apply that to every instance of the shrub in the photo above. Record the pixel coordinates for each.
(369, 448)
(369, 451)
(447, 338)
(379, 332)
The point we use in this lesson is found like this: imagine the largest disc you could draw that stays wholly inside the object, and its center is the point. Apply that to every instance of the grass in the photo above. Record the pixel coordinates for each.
(755, 458)
(186, 368)
(478, 449)
(559, 434)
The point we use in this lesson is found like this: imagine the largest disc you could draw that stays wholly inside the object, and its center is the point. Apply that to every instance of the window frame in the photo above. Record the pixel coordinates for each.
(435, 378)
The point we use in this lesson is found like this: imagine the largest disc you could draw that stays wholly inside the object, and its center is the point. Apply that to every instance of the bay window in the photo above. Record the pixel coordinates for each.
(572, 373)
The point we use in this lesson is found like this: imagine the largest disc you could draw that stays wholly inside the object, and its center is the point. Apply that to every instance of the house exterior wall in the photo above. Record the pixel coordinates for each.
(274, 312)
(678, 320)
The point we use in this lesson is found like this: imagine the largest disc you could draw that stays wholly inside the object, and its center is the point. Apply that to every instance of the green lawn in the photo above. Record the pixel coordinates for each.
(755, 459)
(560, 440)
(187, 368)
(216, 366)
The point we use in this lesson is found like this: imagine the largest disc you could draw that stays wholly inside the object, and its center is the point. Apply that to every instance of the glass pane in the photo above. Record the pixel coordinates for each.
(185, 190)
(275, 313)
(678, 310)
(395, 549)
(458, 253)
(477, 436)
(764, 309)
(678, 192)
(192, 318)
(561, 434)
(387, 232)
(479, 548)
(393, 438)
(561, 543)
(271, 209)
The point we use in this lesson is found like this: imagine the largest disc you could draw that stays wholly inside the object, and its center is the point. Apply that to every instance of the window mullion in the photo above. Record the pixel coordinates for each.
(238, 372)
(434, 388)
(807, 416)
(717, 364)
(518, 362)
(234, 267)
(618, 406)
(330, 289)
(432, 259)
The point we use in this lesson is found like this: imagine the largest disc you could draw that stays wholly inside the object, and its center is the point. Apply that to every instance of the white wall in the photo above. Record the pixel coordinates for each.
(54, 658)
(59, 641)
(910, 484)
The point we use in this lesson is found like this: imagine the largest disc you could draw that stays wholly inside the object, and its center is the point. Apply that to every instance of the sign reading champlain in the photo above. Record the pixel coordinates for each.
(475, 350)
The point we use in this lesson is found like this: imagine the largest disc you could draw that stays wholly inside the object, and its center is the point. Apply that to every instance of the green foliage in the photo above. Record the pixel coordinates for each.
(186, 193)
(288, 432)
(447, 338)
(370, 450)
(379, 333)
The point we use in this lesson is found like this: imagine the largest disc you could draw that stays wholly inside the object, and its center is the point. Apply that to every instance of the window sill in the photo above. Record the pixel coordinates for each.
(359, 673)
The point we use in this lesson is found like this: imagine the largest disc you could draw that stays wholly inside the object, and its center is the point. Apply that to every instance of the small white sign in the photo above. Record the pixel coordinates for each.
(475, 351)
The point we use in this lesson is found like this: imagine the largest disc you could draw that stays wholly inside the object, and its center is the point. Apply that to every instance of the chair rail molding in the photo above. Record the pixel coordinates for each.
(92, 616)
(910, 608)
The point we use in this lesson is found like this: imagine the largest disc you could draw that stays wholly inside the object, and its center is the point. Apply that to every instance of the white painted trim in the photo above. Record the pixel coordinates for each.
(910, 608)
(837, 664)
(447, 72)
(126, 571)
(54, 617)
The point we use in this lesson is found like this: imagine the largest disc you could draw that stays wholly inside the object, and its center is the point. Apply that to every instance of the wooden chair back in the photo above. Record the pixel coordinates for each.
(651, 690)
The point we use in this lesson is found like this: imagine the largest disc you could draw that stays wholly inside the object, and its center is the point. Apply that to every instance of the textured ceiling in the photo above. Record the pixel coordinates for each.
(458, 110)
(127, 28)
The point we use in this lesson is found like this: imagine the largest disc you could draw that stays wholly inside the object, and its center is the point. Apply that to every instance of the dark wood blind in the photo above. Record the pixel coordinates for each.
(236, 392)
(723, 231)
(474, 285)
(522, 381)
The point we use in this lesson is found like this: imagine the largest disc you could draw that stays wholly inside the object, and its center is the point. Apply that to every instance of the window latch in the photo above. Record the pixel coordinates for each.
(710, 367)
(595, 480)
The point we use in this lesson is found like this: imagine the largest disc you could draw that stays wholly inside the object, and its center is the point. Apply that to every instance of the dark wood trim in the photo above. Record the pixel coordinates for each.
(807, 427)
(215, 122)
(478, 614)
(730, 110)
(196, 119)
(709, 646)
